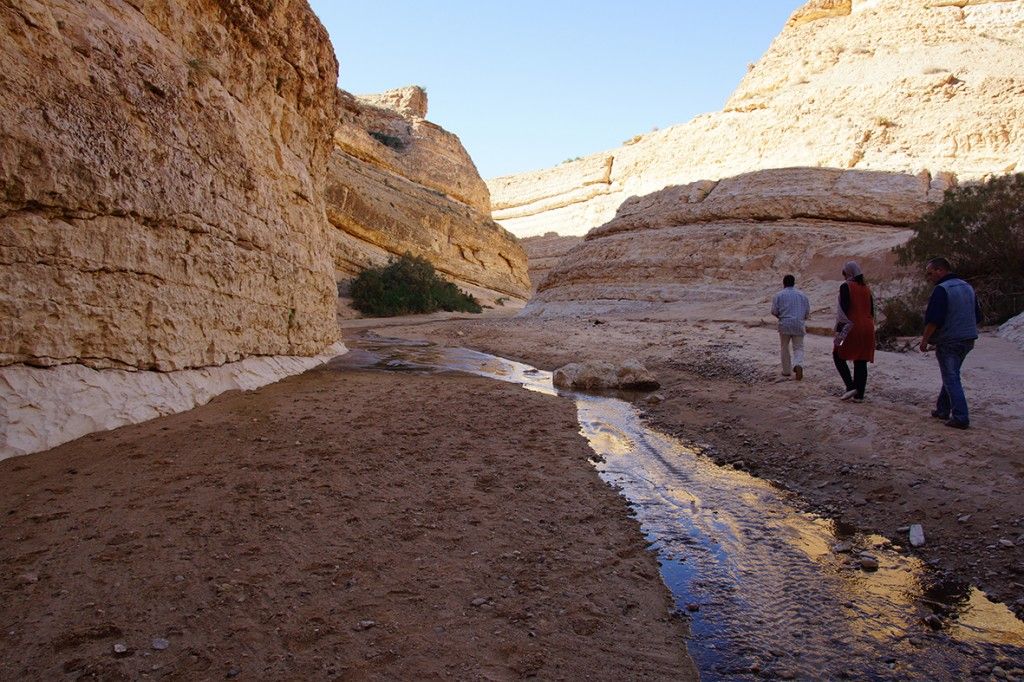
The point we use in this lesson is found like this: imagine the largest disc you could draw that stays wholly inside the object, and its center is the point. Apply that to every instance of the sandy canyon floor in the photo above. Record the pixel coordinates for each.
(880, 465)
(341, 524)
(356, 524)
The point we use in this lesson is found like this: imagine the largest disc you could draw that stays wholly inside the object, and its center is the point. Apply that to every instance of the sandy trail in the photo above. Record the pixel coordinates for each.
(342, 524)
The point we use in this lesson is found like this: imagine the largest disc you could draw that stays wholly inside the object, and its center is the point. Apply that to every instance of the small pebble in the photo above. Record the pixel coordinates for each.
(916, 535)
(479, 601)
(120, 649)
(159, 643)
(364, 625)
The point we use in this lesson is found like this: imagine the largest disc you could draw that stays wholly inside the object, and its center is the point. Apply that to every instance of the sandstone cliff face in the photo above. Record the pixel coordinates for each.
(398, 183)
(545, 252)
(892, 85)
(161, 172)
(719, 250)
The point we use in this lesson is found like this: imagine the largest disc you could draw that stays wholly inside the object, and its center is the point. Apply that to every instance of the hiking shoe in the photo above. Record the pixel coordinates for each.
(940, 415)
(957, 424)
(858, 400)
(849, 394)
(799, 372)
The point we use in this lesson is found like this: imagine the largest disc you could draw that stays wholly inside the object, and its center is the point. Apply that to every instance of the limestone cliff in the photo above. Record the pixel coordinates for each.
(545, 252)
(903, 86)
(161, 174)
(718, 249)
(161, 207)
(398, 183)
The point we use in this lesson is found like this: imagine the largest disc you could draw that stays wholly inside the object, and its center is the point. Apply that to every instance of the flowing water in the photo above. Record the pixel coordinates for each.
(771, 591)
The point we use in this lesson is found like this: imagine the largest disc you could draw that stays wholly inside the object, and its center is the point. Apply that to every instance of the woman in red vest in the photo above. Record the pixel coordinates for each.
(855, 331)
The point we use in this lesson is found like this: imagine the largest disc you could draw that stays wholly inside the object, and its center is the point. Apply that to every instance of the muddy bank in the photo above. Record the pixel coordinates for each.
(880, 465)
(340, 524)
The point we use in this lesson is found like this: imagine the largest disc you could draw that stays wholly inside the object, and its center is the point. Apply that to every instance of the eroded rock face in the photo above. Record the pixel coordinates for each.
(722, 248)
(544, 252)
(399, 183)
(161, 176)
(905, 86)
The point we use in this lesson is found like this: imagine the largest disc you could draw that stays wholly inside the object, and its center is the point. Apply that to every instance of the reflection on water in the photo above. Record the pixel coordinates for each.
(771, 591)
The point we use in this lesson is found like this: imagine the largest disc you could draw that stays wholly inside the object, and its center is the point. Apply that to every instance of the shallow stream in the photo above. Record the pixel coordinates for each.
(770, 591)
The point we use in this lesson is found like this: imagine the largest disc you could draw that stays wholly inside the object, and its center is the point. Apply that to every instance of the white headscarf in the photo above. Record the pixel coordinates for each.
(851, 270)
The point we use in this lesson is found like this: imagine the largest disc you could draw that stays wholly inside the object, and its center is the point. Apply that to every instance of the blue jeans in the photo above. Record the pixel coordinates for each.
(952, 400)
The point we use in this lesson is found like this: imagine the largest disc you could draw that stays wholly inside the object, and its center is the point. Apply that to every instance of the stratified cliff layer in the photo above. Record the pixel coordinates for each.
(161, 207)
(398, 183)
(719, 249)
(545, 252)
(161, 172)
(891, 85)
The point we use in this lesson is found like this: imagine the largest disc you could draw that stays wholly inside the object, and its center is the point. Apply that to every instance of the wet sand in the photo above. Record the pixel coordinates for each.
(336, 525)
(879, 466)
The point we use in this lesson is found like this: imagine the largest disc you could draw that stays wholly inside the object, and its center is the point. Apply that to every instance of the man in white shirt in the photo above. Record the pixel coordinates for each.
(791, 307)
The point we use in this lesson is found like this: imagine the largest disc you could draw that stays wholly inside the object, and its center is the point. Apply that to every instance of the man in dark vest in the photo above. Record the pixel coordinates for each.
(951, 326)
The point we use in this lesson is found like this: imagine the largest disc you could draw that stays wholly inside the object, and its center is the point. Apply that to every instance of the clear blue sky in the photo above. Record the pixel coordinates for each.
(528, 84)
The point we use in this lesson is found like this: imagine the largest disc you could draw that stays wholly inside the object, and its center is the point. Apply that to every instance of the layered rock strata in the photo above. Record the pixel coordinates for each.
(894, 85)
(161, 173)
(544, 252)
(701, 245)
(398, 183)
(161, 194)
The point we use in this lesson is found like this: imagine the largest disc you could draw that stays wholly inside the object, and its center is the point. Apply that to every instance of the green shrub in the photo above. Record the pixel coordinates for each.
(408, 285)
(901, 315)
(388, 140)
(980, 230)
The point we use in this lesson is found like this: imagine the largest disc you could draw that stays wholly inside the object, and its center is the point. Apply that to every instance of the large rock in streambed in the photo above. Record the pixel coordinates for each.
(589, 376)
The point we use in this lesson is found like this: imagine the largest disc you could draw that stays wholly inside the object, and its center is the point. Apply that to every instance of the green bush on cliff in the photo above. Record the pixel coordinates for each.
(980, 229)
(408, 285)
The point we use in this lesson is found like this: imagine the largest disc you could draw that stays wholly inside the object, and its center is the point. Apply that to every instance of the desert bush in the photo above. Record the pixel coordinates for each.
(980, 230)
(395, 143)
(408, 285)
(901, 315)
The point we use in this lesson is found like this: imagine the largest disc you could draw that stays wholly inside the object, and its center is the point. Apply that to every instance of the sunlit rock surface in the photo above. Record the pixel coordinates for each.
(398, 183)
(906, 86)
(592, 376)
(161, 173)
(161, 207)
(719, 249)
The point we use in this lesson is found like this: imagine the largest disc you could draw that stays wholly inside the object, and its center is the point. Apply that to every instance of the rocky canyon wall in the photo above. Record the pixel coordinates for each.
(849, 128)
(161, 197)
(398, 183)
(719, 249)
(902, 86)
